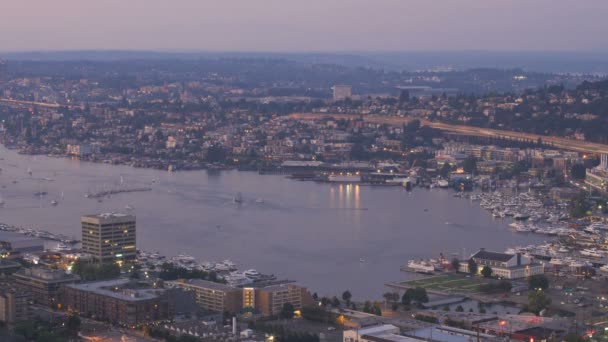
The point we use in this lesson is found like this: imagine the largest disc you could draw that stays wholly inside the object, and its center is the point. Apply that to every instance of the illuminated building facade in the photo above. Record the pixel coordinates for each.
(109, 237)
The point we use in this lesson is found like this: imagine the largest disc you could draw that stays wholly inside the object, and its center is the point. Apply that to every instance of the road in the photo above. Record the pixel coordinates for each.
(558, 142)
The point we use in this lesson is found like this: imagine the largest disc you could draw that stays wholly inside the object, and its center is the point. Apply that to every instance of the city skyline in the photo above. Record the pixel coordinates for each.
(274, 26)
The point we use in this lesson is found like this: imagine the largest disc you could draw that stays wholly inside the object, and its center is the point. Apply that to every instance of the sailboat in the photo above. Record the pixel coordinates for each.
(29, 171)
(238, 198)
(2, 202)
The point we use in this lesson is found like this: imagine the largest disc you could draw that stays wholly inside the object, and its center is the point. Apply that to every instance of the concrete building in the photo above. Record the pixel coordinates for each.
(8, 267)
(341, 92)
(109, 237)
(503, 265)
(15, 242)
(269, 300)
(44, 284)
(80, 150)
(119, 301)
(14, 303)
(214, 296)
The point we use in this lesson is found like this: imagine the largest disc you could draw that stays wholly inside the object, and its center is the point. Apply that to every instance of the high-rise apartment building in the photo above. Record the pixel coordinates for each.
(109, 237)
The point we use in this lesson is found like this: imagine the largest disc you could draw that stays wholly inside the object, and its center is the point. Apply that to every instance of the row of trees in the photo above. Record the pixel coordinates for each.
(90, 271)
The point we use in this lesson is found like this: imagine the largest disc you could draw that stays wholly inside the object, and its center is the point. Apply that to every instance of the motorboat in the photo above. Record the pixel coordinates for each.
(421, 266)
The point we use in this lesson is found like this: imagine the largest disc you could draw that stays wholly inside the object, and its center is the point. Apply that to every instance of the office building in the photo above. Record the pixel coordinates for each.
(14, 303)
(341, 92)
(214, 296)
(118, 301)
(44, 284)
(504, 265)
(109, 237)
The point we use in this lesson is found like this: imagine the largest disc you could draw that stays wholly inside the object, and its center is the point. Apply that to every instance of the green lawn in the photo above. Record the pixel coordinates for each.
(448, 283)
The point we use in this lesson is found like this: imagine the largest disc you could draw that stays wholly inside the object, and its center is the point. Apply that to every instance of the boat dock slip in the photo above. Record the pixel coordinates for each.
(115, 191)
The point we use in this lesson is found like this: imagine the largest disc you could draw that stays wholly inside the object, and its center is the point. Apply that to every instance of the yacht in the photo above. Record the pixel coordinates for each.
(61, 247)
(592, 252)
(252, 274)
(128, 207)
(2, 202)
(557, 262)
(238, 279)
(604, 269)
(259, 200)
(421, 266)
(54, 202)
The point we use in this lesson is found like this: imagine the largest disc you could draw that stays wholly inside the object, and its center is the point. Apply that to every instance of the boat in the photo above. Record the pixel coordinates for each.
(442, 183)
(128, 207)
(344, 178)
(361, 260)
(557, 262)
(61, 247)
(421, 266)
(2, 203)
(29, 171)
(252, 274)
(259, 200)
(592, 252)
(521, 216)
(54, 202)
(604, 269)
(238, 198)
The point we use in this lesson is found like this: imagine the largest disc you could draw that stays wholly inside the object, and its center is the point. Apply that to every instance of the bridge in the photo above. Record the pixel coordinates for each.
(558, 142)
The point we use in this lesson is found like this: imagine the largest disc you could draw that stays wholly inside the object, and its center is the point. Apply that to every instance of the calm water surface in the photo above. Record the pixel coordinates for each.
(313, 233)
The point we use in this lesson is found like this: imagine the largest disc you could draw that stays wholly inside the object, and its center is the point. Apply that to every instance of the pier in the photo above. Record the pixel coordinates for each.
(104, 193)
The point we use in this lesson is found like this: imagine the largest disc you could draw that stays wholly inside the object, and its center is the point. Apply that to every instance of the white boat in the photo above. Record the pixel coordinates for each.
(421, 266)
(557, 262)
(128, 207)
(592, 252)
(54, 202)
(61, 247)
(2, 203)
(252, 274)
(238, 198)
(259, 200)
(442, 183)
(29, 171)
(238, 279)
(344, 178)
(604, 269)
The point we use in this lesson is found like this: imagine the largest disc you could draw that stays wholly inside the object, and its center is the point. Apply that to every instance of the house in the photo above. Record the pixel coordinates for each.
(504, 265)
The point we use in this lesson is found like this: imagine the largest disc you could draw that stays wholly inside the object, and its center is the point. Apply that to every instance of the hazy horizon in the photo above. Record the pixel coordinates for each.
(314, 26)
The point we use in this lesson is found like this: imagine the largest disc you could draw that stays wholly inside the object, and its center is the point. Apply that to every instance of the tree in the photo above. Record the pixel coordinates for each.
(578, 171)
(469, 165)
(459, 308)
(346, 296)
(406, 299)
(455, 264)
(579, 206)
(539, 281)
(73, 325)
(287, 311)
(472, 266)
(486, 271)
(538, 301)
(417, 294)
(325, 301)
(445, 170)
(335, 302)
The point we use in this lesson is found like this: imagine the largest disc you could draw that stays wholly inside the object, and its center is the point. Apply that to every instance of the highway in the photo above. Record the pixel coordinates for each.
(558, 142)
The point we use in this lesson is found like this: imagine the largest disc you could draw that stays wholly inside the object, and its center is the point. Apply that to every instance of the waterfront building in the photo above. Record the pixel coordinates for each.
(44, 283)
(503, 265)
(214, 296)
(268, 301)
(119, 301)
(109, 237)
(14, 303)
(80, 150)
(19, 243)
(341, 92)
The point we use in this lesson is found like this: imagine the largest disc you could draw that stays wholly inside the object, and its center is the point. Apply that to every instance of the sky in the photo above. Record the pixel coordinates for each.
(303, 25)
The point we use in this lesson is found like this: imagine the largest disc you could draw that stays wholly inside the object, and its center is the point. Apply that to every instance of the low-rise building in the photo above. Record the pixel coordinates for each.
(14, 303)
(119, 301)
(44, 283)
(269, 300)
(214, 296)
(504, 265)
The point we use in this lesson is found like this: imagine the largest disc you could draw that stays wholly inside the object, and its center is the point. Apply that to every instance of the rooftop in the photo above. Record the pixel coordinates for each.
(207, 284)
(494, 256)
(116, 288)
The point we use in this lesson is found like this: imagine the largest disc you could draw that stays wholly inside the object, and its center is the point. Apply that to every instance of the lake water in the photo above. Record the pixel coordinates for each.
(311, 232)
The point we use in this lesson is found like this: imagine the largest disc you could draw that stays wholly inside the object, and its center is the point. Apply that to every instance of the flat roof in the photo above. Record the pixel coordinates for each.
(207, 284)
(14, 237)
(104, 288)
